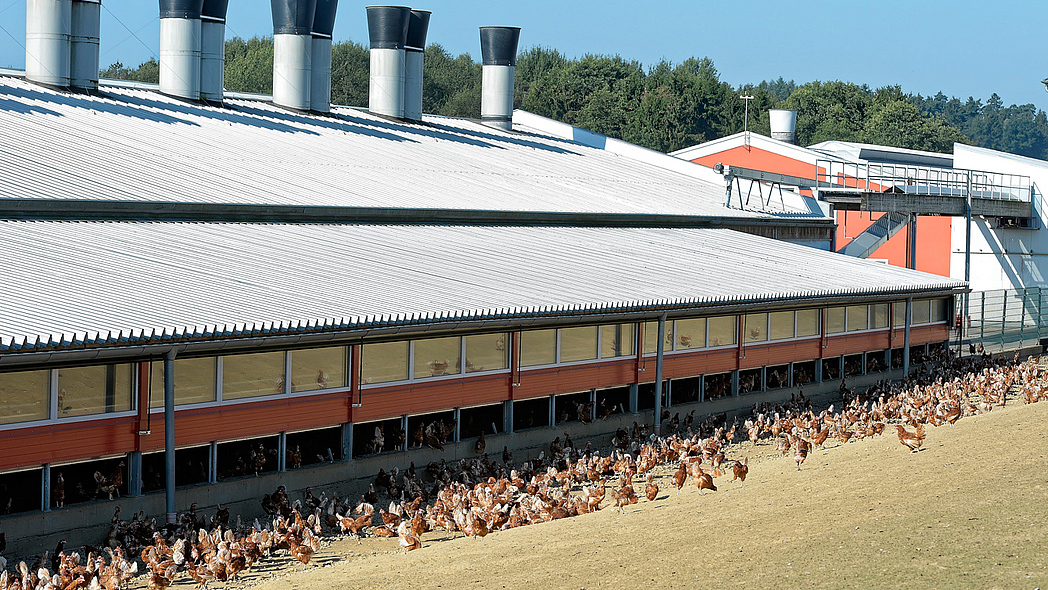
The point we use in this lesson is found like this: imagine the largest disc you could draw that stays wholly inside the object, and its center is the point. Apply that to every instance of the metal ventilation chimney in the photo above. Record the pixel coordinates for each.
(320, 77)
(180, 48)
(414, 52)
(293, 52)
(783, 124)
(83, 46)
(48, 29)
(498, 47)
(213, 50)
(388, 33)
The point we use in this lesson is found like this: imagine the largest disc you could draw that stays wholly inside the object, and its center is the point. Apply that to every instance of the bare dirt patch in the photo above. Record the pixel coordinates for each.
(969, 510)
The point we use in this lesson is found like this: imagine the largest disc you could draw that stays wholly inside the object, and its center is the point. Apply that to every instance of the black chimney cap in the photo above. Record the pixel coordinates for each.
(293, 17)
(215, 9)
(181, 8)
(388, 26)
(418, 26)
(498, 45)
(324, 21)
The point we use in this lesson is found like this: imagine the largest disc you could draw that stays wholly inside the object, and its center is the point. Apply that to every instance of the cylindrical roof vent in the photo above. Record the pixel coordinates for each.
(48, 29)
(388, 34)
(213, 50)
(83, 56)
(293, 52)
(498, 48)
(414, 52)
(180, 48)
(783, 124)
(320, 77)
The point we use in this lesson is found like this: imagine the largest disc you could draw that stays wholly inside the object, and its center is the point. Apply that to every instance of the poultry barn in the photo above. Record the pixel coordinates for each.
(206, 299)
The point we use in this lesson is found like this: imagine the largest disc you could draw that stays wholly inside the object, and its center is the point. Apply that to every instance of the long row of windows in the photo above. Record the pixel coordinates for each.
(29, 396)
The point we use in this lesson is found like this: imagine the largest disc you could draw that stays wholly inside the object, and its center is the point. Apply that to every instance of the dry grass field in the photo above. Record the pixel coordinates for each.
(970, 510)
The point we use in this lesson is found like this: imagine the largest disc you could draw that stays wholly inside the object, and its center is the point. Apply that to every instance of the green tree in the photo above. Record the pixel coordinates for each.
(350, 69)
(148, 71)
(249, 65)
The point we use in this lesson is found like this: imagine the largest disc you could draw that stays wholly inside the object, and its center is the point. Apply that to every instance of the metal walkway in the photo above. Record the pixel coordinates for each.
(923, 191)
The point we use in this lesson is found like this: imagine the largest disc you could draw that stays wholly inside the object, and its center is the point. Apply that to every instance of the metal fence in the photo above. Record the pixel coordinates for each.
(1001, 320)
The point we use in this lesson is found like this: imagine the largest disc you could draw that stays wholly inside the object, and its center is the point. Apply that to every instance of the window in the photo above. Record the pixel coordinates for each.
(25, 396)
(194, 381)
(920, 313)
(879, 316)
(756, 326)
(690, 333)
(437, 356)
(617, 340)
(651, 337)
(721, 330)
(835, 320)
(384, 362)
(781, 325)
(538, 347)
(318, 368)
(899, 313)
(578, 344)
(808, 322)
(252, 375)
(97, 389)
(858, 318)
(486, 352)
(939, 310)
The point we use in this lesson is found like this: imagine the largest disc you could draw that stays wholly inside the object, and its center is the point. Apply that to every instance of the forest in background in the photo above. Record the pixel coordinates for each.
(667, 106)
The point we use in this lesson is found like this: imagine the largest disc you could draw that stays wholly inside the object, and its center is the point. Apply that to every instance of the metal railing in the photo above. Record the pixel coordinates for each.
(918, 180)
(1002, 320)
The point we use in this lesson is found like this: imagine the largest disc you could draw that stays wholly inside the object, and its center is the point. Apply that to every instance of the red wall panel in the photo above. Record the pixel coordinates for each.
(572, 378)
(779, 353)
(66, 442)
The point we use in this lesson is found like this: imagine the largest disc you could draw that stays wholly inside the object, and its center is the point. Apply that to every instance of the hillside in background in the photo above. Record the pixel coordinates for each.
(667, 106)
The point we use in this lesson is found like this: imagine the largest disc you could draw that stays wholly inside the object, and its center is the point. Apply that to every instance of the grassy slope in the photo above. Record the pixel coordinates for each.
(968, 511)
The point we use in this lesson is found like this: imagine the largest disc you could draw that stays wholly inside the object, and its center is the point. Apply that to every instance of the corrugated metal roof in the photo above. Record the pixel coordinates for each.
(131, 144)
(69, 284)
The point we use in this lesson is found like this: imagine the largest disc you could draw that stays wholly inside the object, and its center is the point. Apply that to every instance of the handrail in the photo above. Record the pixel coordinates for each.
(919, 180)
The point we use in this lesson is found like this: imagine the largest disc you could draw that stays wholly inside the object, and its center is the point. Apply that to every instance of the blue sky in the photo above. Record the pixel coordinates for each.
(963, 48)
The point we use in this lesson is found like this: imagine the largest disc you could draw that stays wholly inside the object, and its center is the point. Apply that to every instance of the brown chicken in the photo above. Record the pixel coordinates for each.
(680, 477)
(800, 452)
(408, 541)
(651, 489)
(912, 440)
(383, 531)
(740, 470)
(703, 480)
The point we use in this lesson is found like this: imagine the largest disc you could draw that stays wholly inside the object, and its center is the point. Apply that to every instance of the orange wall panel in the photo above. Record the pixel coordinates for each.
(779, 353)
(66, 442)
(855, 343)
(933, 240)
(573, 378)
(422, 397)
(691, 364)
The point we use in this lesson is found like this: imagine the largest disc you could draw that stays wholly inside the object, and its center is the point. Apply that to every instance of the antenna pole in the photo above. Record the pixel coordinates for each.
(746, 118)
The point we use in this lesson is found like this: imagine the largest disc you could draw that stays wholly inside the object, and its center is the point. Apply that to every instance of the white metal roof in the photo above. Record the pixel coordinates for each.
(131, 144)
(69, 284)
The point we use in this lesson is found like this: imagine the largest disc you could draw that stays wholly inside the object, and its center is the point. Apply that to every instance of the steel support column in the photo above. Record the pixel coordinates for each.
(169, 435)
(906, 337)
(659, 350)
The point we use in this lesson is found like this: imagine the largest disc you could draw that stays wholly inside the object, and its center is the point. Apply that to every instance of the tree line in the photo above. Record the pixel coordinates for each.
(667, 106)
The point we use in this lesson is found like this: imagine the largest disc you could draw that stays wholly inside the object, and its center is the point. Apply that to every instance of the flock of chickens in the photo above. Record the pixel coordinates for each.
(477, 496)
